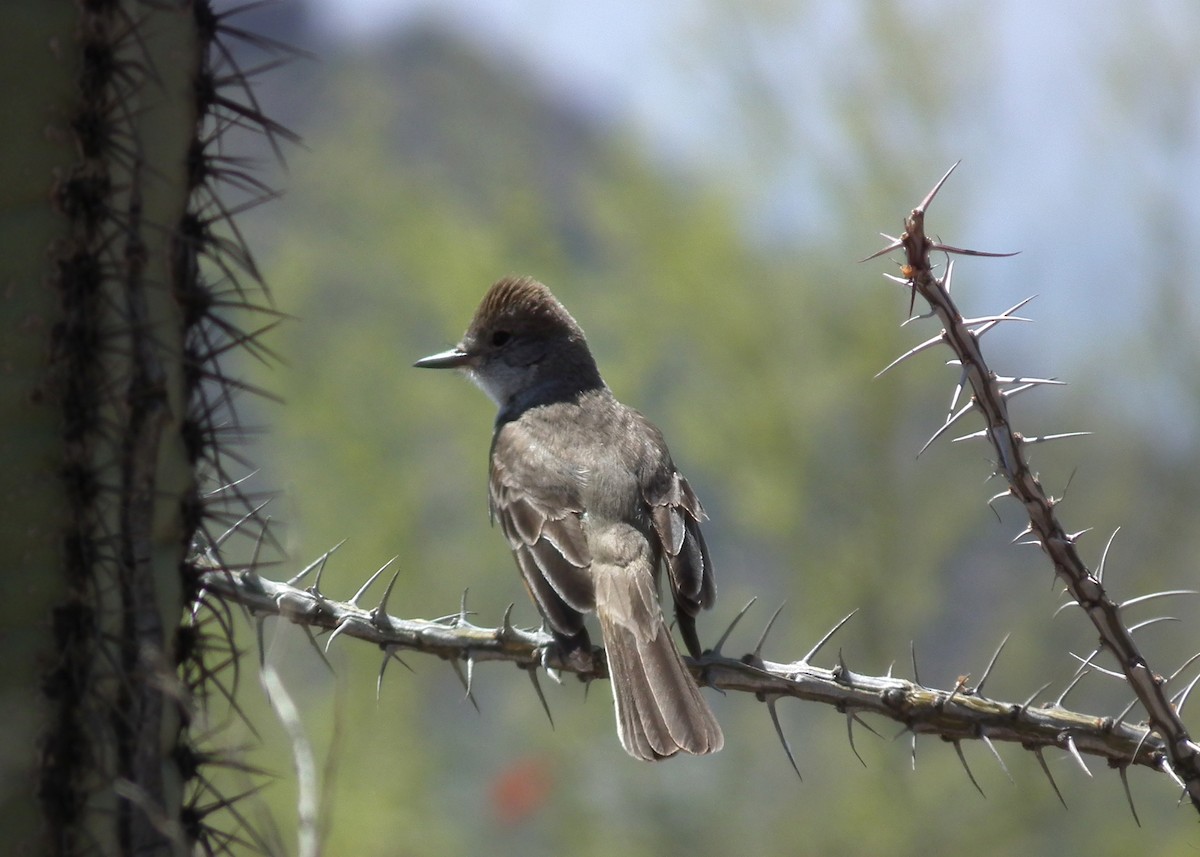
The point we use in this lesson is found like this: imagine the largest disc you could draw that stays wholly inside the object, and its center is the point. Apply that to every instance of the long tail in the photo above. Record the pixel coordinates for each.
(659, 707)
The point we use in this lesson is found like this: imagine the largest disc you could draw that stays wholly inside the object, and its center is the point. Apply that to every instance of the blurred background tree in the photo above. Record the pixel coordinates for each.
(694, 182)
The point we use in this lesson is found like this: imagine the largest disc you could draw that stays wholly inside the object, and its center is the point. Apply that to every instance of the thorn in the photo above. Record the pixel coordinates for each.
(466, 684)
(975, 435)
(963, 251)
(983, 678)
(1181, 698)
(1012, 392)
(924, 205)
(1166, 768)
(506, 626)
(1120, 718)
(317, 648)
(1046, 438)
(1028, 702)
(893, 245)
(850, 718)
(988, 325)
(1164, 594)
(1025, 532)
(787, 747)
(1067, 487)
(1104, 556)
(250, 515)
(1007, 492)
(1140, 625)
(1066, 606)
(1046, 770)
(1084, 663)
(767, 630)
(1183, 666)
(813, 651)
(962, 758)
(389, 652)
(958, 388)
(252, 569)
(379, 614)
(969, 406)
(372, 579)
(1073, 537)
(1058, 703)
(1032, 382)
(928, 343)
(541, 696)
(914, 751)
(319, 561)
(918, 316)
(1128, 794)
(993, 320)
(315, 589)
(341, 626)
(912, 650)
(996, 753)
(1078, 757)
(721, 642)
(461, 620)
(912, 301)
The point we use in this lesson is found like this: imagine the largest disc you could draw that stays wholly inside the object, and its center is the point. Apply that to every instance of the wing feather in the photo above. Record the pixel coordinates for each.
(677, 514)
(544, 527)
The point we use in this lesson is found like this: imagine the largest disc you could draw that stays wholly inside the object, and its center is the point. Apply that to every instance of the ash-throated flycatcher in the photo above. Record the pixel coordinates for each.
(592, 505)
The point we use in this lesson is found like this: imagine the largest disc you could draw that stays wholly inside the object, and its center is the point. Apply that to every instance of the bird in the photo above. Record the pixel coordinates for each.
(593, 508)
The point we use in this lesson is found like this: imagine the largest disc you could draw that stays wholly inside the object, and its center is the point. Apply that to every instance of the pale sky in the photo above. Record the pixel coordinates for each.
(1061, 160)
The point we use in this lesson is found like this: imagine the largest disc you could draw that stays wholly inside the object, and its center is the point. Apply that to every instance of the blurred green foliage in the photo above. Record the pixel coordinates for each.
(428, 173)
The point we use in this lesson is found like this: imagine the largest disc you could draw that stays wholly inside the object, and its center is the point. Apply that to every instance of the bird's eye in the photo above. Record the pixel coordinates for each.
(500, 337)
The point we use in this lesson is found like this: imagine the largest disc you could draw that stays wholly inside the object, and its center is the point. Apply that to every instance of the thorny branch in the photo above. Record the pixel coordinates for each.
(962, 713)
(955, 715)
(990, 393)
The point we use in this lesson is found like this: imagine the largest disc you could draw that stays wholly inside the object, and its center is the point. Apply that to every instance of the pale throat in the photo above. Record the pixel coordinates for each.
(516, 389)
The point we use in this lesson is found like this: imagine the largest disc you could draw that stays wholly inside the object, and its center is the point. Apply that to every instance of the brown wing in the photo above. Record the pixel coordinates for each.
(538, 507)
(677, 513)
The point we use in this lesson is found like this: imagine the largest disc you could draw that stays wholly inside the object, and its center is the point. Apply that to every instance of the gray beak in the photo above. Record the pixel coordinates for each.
(451, 359)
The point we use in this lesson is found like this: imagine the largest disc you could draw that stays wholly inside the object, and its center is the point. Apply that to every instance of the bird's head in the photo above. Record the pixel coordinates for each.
(522, 347)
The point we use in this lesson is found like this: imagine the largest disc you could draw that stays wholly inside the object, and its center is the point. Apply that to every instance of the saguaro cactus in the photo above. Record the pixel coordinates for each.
(111, 402)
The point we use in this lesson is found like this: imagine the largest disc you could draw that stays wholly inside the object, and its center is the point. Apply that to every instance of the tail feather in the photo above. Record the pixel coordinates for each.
(660, 710)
